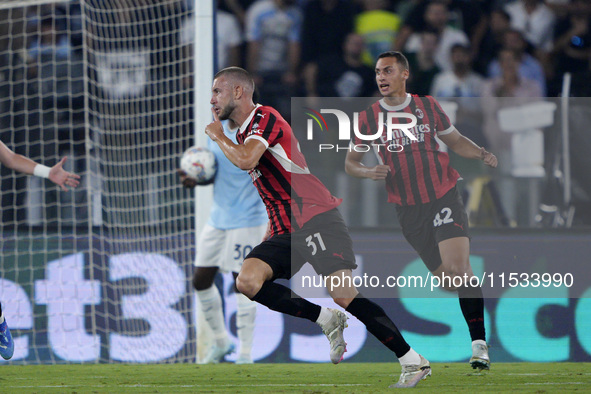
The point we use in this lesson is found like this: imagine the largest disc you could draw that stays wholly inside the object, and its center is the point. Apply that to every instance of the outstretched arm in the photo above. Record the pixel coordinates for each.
(23, 164)
(245, 156)
(465, 147)
(354, 167)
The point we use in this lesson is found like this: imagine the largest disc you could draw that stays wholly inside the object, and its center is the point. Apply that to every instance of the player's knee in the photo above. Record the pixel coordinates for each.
(456, 265)
(452, 276)
(248, 284)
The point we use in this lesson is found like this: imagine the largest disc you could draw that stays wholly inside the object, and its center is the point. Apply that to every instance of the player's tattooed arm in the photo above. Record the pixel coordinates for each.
(354, 167)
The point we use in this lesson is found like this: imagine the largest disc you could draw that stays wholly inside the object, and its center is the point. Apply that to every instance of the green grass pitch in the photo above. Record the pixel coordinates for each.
(283, 378)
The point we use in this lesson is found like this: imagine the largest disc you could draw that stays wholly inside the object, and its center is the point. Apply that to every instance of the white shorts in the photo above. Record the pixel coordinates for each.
(226, 249)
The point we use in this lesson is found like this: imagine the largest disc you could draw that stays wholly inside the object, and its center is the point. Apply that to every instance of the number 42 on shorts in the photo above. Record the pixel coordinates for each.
(439, 220)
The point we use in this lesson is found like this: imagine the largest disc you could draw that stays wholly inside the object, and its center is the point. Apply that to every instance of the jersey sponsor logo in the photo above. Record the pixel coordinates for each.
(398, 135)
(255, 129)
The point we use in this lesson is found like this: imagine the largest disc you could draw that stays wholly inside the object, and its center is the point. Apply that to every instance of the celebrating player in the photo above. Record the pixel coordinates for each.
(57, 175)
(422, 184)
(237, 223)
(305, 225)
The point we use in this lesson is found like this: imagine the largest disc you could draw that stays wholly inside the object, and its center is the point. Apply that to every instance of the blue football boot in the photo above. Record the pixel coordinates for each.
(6, 342)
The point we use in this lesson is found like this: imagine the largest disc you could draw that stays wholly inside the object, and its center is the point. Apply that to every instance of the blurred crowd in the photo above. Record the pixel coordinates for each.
(294, 48)
(483, 54)
(328, 47)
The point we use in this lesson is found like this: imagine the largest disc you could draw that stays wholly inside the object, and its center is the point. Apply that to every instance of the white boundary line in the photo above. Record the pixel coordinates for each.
(203, 385)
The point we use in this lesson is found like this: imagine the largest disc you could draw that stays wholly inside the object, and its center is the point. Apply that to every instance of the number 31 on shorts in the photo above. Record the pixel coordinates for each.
(311, 244)
(443, 217)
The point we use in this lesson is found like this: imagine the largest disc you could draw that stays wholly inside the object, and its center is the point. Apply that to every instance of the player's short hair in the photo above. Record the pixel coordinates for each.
(400, 58)
(256, 96)
(238, 74)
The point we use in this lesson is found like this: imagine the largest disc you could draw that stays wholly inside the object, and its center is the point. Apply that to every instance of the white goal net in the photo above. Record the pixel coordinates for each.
(101, 273)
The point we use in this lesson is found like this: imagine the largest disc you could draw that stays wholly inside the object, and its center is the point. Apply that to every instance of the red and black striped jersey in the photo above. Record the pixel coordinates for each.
(292, 195)
(419, 171)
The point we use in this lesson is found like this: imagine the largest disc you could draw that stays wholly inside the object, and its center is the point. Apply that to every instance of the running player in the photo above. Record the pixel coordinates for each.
(237, 223)
(57, 175)
(422, 184)
(305, 225)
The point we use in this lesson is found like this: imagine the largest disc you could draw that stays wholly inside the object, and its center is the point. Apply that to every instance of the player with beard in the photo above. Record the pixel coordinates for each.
(305, 225)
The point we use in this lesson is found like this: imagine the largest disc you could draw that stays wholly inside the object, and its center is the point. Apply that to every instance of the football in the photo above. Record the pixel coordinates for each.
(200, 164)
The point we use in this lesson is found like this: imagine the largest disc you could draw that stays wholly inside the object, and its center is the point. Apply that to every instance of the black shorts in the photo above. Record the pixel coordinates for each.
(323, 241)
(425, 225)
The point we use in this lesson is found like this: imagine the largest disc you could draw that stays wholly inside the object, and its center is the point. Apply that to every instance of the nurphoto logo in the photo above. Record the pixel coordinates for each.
(401, 129)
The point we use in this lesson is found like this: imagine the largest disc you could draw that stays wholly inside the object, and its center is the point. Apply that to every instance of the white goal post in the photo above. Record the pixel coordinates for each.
(102, 273)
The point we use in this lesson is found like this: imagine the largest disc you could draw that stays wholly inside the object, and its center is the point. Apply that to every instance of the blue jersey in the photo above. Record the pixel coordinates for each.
(236, 202)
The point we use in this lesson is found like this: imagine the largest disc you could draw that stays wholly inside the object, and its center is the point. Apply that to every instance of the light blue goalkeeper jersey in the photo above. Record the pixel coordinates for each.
(236, 202)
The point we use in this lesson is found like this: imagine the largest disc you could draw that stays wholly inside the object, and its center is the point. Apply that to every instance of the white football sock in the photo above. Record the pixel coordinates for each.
(324, 317)
(211, 307)
(410, 358)
(245, 318)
